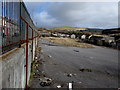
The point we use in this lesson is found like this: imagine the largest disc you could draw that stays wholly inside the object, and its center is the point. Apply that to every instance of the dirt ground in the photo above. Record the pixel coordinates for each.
(68, 42)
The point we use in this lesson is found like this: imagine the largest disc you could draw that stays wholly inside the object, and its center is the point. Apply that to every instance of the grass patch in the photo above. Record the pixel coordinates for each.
(32, 69)
(68, 42)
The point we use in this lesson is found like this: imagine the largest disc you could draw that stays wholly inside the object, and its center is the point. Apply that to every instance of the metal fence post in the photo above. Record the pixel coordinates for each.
(27, 56)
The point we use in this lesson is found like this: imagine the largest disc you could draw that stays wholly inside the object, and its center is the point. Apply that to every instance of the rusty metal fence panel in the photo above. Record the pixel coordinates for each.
(12, 27)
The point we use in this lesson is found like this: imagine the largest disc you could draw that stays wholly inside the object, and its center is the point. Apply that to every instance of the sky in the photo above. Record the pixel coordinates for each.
(102, 15)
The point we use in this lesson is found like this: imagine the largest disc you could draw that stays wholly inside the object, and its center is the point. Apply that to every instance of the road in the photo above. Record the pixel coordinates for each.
(89, 67)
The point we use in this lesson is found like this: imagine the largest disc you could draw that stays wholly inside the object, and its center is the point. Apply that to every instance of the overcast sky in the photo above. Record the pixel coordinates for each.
(76, 14)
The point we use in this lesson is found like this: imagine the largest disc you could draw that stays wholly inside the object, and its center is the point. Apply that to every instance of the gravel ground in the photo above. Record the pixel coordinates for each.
(86, 68)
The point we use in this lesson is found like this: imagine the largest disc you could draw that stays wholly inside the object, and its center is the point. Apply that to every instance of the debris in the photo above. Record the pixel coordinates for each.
(85, 70)
(37, 71)
(36, 58)
(50, 56)
(44, 84)
(45, 81)
(74, 74)
(58, 86)
(69, 75)
(76, 50)
(107, 72)
(55, 64)
(81, 70)
(44, 75)
(70, 86)
(49, 79)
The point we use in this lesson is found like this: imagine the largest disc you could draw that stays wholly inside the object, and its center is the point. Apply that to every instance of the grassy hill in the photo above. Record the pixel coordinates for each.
(67, 28)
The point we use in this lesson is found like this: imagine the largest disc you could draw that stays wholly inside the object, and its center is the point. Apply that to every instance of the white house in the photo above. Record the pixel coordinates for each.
(73, 36)
(83, 37)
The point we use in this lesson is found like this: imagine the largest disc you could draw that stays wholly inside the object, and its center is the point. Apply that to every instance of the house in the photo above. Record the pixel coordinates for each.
(83, 37)
(73, 36)
(54, 35)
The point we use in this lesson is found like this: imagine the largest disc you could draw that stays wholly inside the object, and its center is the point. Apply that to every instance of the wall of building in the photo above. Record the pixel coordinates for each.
(13, 66)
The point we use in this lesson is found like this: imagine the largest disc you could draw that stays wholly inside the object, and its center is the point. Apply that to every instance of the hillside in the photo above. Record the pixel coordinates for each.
(67, 28)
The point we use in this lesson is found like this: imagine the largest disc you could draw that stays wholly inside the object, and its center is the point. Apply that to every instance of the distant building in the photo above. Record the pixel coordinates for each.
(73, 36)
(83, 37)
(45, 34)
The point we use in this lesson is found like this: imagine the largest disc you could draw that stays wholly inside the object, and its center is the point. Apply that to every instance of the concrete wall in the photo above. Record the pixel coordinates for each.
(34, 48)
(13, 67)
(0, 73)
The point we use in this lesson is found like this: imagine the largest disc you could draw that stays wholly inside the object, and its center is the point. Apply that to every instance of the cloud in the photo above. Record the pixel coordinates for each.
(81, 14)
(44, 20)
(70, 0)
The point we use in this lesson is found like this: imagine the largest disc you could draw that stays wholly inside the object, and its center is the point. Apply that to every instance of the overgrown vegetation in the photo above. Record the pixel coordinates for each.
(32, 69)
